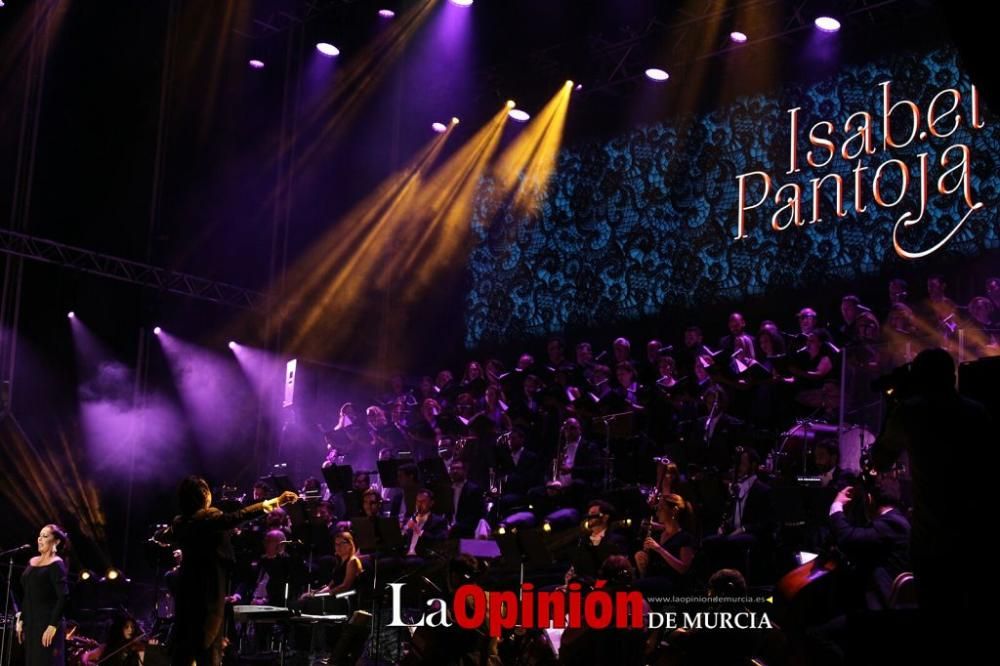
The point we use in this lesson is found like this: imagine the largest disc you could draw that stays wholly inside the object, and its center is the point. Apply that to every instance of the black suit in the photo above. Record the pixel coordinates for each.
(586, 464)
(470, 510)
(588, 558)
(713, 447)
(435, 530)
(879, 551)
(758, 513)
(931, 428)
(202, 580)
(396, 504)
(527, 473)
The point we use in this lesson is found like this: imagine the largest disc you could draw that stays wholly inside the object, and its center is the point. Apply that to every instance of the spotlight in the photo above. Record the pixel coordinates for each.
(328, 50)
(656, 74)
(232, 344)
(454, 120)
(578, 87)
(440, 128)
(519, 116)
(546, 526)
(511, 104)
(502, 530)
(86, 574)
(827, 23)
(256, 64)
(462, 3)
(738, 37)
(157, 330)
(113, 574)
(71, 314)
(569, 83)
(386, 13)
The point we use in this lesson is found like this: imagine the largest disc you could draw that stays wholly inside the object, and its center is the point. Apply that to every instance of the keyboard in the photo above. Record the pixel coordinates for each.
(245, 613)
(312, 617)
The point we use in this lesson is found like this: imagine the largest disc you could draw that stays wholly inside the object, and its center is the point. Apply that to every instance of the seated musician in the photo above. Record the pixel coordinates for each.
(424, 530)
(664, 563)
(351, 500)
(827, 459)
(466, 507)
(600, 542)
(268, 576)
(348, 568)
(878, 550)
(748, 522)
(118, 649)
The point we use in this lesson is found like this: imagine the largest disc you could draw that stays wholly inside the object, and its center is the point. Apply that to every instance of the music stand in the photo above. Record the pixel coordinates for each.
(524, 548)
(281, 483)
(339, 478)
(363, 531)
(617, 426)
(387, 471)
(392, 536)
(432, 471)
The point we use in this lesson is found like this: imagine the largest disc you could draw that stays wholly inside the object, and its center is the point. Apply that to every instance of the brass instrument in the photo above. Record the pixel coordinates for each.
(560, 452)
(496, 479)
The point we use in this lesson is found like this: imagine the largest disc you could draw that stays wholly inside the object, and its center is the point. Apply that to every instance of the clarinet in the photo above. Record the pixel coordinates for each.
(729, 514)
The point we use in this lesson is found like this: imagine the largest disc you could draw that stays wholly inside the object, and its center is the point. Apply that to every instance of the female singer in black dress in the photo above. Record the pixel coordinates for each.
(40, 624)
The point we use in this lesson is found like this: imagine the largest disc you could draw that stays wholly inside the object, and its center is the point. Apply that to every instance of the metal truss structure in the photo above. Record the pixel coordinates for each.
(87, 261)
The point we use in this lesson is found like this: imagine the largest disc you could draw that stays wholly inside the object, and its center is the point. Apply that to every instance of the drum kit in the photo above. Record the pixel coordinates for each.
(794, 454)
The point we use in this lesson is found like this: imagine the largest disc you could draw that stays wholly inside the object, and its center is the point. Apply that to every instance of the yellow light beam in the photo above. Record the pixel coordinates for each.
(344, 262)
(525, 167)
(448, 199)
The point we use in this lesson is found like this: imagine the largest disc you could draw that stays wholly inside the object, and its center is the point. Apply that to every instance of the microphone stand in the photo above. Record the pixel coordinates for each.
(4, 656)
(7, 649)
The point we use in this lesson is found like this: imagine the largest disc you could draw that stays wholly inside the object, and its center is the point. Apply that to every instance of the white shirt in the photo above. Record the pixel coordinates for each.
(745, 485)
(597, 537)
(568, 460)
(417, 531)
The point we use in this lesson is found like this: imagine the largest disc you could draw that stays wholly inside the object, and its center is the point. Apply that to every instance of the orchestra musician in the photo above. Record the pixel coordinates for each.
(121, 647)
(664, 563)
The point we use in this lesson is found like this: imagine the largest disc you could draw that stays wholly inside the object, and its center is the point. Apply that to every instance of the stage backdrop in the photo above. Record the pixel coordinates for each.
(648, 222)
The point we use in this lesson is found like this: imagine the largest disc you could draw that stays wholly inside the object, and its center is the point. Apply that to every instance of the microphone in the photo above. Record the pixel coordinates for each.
(14, 551)
(291, 542)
